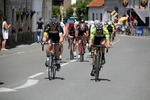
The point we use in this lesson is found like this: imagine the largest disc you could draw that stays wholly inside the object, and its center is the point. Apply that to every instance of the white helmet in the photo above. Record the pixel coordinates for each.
(109, 23)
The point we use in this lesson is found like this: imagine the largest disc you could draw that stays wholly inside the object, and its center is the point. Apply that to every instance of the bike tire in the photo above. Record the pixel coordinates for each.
(97, 62)
(71, 52)
(82, 53)
(50, 69)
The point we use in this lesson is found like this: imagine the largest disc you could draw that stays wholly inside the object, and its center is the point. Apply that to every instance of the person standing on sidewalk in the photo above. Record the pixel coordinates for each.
(5, 32)
(39, 29)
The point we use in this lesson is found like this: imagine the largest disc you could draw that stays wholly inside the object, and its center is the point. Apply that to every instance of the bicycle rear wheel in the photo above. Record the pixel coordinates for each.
(97, 64)
(51, 70)
(82, 53)
(71, 51)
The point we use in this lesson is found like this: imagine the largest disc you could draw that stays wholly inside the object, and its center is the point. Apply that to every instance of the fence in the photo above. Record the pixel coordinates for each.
(135, 31)
(23, 38)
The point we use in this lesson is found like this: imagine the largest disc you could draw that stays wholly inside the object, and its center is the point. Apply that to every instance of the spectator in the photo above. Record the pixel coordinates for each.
(5, 32)
(39, 30)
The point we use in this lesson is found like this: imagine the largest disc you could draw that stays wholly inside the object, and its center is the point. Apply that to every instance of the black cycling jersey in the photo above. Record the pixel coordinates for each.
(53, 35)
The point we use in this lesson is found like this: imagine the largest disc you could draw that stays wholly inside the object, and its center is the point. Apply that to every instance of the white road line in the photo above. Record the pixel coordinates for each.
(116, 41)
(6, 90)
(29, 83)
(38, 74)
(64, 64)
(72, 60)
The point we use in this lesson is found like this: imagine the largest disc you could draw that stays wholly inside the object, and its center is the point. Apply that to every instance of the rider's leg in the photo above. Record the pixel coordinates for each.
(57, 57)
(103, 51)
(48, 53)
(74, 46)
(62, 43)
(79, 46)
(92, 72)
(68, 41)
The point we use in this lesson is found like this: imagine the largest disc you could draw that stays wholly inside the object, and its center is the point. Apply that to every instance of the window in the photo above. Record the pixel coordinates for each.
(101, 16)
(93, 17)
(96, 16)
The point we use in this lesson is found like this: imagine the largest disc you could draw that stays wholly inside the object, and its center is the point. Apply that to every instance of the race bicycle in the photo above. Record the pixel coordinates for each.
(52, 62)
(71, 47)
(98, 60)
(82, 50)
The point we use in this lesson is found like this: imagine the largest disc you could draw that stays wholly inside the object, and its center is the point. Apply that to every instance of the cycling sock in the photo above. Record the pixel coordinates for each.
(93, 67)
(58, 61)
(47, 58)
(103, 55)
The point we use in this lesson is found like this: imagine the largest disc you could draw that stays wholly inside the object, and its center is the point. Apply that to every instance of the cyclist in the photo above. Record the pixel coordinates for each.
(71, 28)
(63, 30)
(94, 39)
(82, 30)
(53, 33)
(110, 29)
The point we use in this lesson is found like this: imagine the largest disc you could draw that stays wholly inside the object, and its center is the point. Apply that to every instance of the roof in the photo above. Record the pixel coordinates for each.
(96, 3)
(142, 13)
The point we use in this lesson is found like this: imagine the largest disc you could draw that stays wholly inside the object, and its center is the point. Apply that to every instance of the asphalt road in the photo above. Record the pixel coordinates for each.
(125, 76)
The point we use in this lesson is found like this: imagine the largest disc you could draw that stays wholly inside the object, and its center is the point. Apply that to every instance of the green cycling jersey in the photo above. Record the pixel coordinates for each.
(104, 33)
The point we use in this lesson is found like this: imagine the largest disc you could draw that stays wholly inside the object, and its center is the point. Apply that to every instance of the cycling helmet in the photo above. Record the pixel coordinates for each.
(53, 21)
(99, 26)
(71, 21)
(109, 23)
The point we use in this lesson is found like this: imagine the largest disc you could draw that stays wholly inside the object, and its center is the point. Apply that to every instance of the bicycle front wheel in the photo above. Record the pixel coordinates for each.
(71, 51)
(97, 64)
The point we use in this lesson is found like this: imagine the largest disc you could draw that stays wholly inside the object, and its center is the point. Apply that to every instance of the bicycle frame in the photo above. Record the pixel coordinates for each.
(71, 47)
(82, 50)
(98, 60)
(52, 62)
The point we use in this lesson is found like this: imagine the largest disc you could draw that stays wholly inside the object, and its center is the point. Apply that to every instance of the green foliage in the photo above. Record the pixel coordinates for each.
(81, 8)
(19, 13)
(56, 11)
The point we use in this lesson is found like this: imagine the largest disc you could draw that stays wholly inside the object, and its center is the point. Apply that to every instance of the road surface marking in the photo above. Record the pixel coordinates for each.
(38, 74)
(29, 83)
(116, 41)
(6, 90)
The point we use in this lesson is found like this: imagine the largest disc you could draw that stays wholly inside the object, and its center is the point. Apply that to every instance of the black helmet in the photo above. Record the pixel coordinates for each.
(53, 21)
(99, 26)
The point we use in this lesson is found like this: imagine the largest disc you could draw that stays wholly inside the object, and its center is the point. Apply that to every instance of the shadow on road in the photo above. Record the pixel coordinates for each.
(1, 83)
(59, 78)
(101, 79)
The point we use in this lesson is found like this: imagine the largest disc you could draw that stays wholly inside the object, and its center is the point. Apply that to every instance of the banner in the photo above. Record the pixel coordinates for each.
(125, 3)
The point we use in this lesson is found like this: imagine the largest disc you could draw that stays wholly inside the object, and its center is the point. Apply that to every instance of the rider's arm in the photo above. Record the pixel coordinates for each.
(92, 36)
(77, 30)
(46, 29)
(87, 31)
(106, 33)
(61, 37)
(66, 29)
(44, 36)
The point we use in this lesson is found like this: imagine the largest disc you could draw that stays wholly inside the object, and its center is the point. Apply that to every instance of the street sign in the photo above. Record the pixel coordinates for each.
(74, 9)
(114, 13)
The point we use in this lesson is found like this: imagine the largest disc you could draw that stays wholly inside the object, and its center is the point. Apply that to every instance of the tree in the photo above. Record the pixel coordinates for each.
(81, 8)
(56, 11)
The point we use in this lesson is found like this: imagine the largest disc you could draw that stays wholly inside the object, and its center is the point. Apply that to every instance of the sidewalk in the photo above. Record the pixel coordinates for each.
(20, 49)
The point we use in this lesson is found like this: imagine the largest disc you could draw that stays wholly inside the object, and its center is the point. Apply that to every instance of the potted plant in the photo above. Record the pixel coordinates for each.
(13, 30)
(18, 13)
(25, 13)
(32, 12)
(20, 29)
(29, 28)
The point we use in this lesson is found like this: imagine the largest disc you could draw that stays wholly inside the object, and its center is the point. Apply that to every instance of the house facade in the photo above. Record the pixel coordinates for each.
(102, 9)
